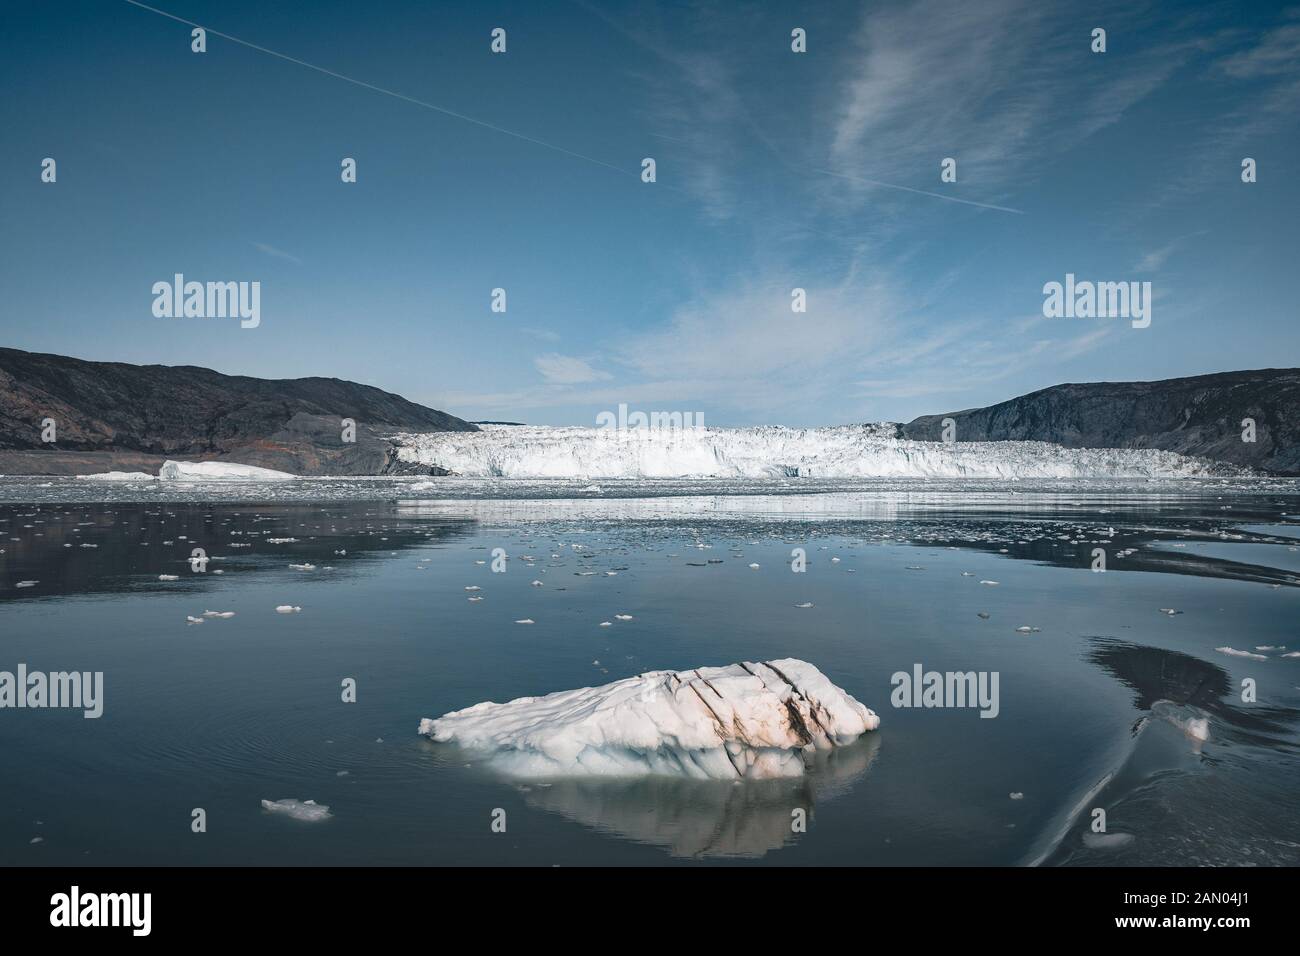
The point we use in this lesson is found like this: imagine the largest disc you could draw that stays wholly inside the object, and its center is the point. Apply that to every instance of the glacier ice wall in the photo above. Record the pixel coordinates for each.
(845, 451)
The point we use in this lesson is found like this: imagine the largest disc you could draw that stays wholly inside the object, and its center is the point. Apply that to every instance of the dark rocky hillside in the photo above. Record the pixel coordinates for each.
(1201, 415)
(111, 415)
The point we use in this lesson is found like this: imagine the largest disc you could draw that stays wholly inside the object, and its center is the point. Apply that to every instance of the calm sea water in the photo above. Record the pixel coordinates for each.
(1094, 703)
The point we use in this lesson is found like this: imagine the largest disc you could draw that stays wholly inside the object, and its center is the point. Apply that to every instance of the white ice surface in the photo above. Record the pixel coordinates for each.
(750, 720)
(309, 811)
(846, 451)
(218, 470)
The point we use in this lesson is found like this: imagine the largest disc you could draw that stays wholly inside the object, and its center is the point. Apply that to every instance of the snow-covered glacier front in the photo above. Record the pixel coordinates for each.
(845, 451)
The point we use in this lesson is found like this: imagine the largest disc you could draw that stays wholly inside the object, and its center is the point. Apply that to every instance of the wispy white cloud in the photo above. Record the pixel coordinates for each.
(1155, 260)
(1277, 53)
(274, 253)
(567, 370)
(997, 85)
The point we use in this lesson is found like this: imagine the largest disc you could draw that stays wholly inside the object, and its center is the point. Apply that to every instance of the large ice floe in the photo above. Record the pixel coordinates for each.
(846, 451)
(195, 471)
(218, 471)
(747, 720)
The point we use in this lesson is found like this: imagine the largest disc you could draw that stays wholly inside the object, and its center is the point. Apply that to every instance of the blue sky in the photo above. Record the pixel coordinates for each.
(1122, 166)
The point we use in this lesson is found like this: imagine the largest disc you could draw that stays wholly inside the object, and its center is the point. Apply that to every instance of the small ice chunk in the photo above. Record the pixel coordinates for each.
(27, 584)
(1233, 652)
(222, 614)
(990, 583)
(622, 617)
(1106, 841)
(805, 604)
(190, 619)
(309, 811)
(169, 577)
(1017, 795)
(754, 566)
(287, 609)
(526, 620)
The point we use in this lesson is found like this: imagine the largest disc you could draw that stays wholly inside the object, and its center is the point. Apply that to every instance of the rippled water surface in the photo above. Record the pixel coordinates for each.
(1095, 704)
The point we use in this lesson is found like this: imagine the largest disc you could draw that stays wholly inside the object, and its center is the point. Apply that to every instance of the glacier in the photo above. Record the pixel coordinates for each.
(770, 451)
(740, 721)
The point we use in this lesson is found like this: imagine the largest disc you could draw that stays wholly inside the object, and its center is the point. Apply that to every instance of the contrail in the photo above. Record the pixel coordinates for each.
(909, 189)
(380, 89)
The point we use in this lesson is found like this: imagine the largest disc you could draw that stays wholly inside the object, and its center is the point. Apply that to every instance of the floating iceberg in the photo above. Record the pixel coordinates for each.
(770, 451)
(218, 471)
(308, 811)
(748, 720)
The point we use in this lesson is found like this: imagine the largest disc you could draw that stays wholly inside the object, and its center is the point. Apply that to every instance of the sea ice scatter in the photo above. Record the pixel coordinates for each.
(309, 811)
(748, 720)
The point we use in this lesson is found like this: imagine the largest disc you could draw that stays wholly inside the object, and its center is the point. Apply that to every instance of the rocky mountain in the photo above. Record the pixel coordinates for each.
(115, 416)
(1201, 415)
